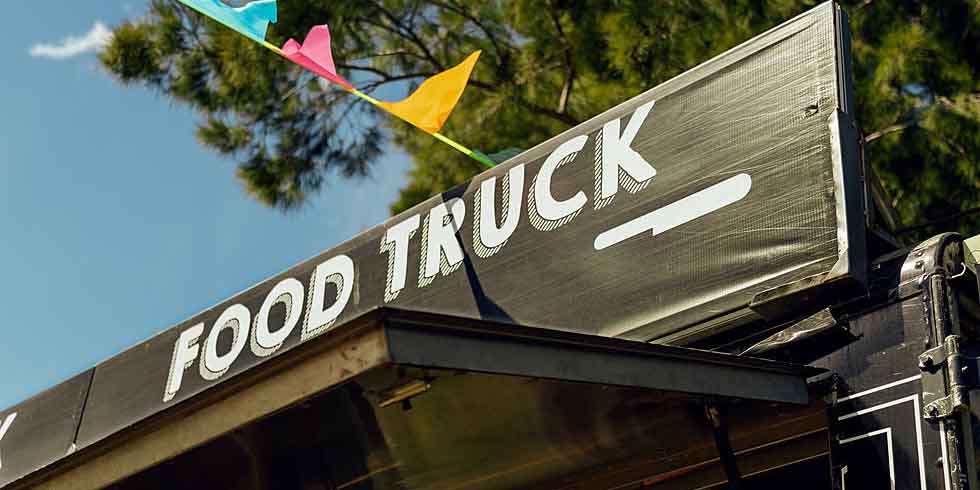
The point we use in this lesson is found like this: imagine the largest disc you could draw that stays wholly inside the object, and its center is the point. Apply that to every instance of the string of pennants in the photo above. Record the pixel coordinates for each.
(427, 108)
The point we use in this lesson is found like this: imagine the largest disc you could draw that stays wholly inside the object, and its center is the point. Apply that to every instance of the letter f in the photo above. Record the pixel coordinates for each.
(185, 352)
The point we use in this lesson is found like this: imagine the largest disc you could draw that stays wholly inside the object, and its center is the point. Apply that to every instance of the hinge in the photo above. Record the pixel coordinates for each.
(946, 380)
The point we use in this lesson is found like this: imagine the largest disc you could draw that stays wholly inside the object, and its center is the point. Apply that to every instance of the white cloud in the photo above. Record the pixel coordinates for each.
(91, 42)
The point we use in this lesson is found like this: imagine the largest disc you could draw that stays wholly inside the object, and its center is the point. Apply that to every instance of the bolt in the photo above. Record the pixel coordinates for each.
(919, 264)
(925, 362)
(939, 462)
(934, 411)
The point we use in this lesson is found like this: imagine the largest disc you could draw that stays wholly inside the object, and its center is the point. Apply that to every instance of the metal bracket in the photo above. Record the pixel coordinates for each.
(729, 462)
(945, 385)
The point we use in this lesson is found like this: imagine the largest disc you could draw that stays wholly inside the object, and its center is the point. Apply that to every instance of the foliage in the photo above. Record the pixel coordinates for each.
(917, 72)
(547, 65)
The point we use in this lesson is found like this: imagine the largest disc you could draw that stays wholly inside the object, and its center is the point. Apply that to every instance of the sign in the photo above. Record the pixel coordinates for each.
(41, 430)
(667, 210)
(671, 209)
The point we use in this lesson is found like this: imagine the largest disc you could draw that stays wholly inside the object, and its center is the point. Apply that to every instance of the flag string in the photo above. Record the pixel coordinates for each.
(479, 157)
(252, 21)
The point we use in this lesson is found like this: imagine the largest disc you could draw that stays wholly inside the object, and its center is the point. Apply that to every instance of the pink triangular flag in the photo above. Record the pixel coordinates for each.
(315, 55)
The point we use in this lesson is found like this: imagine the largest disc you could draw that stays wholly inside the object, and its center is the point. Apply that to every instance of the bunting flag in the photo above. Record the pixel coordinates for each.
(430, 105)
(315, 55)
(427, 108)
(251, 20)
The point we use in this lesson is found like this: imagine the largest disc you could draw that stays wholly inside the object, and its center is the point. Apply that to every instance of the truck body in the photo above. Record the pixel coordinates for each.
(699, 288)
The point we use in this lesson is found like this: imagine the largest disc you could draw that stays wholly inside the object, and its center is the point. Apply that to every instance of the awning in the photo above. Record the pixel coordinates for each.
(410, 401)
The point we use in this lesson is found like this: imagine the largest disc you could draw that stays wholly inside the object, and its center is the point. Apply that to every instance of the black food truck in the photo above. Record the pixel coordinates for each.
(696, 289)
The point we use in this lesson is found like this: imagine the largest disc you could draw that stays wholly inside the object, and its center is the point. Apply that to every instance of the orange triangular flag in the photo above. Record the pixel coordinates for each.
(431, 104)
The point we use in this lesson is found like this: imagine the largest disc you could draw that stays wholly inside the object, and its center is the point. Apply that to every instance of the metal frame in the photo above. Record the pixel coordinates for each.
(945, 385)
(438, 341)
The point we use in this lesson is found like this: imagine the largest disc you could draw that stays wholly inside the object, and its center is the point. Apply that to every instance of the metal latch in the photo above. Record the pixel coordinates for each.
(945, 380)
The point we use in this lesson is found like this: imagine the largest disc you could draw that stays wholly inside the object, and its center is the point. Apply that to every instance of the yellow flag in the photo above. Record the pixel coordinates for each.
(431, 104)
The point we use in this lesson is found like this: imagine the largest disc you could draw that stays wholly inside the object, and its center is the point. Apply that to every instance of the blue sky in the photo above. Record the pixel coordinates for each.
(114, 222)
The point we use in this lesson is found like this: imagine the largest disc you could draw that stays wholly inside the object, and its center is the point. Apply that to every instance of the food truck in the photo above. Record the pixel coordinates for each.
(698, 288)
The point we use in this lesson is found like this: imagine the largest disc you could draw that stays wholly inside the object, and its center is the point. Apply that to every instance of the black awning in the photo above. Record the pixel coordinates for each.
(405, 400)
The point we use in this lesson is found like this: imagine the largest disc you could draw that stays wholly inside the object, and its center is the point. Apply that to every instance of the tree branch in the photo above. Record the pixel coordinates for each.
(890, 129)
(426, 55)
(385, 76)
(566, 89)
(461, 11)
(369, 69)
(544, 111)
(952, 107)
(373, 85)
(945, 219)
(408, 34)
(389, 53)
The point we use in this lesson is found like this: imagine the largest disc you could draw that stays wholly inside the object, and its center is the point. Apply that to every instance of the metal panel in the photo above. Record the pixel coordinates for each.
(125, 390)
(41, 430)
(642, 366)
(883, 432)
(878, 435)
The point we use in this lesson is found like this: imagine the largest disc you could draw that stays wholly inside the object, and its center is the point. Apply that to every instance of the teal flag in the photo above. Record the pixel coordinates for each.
(251, 20)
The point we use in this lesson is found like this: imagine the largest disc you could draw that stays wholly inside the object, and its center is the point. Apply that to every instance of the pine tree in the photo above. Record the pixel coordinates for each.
(547, 65)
